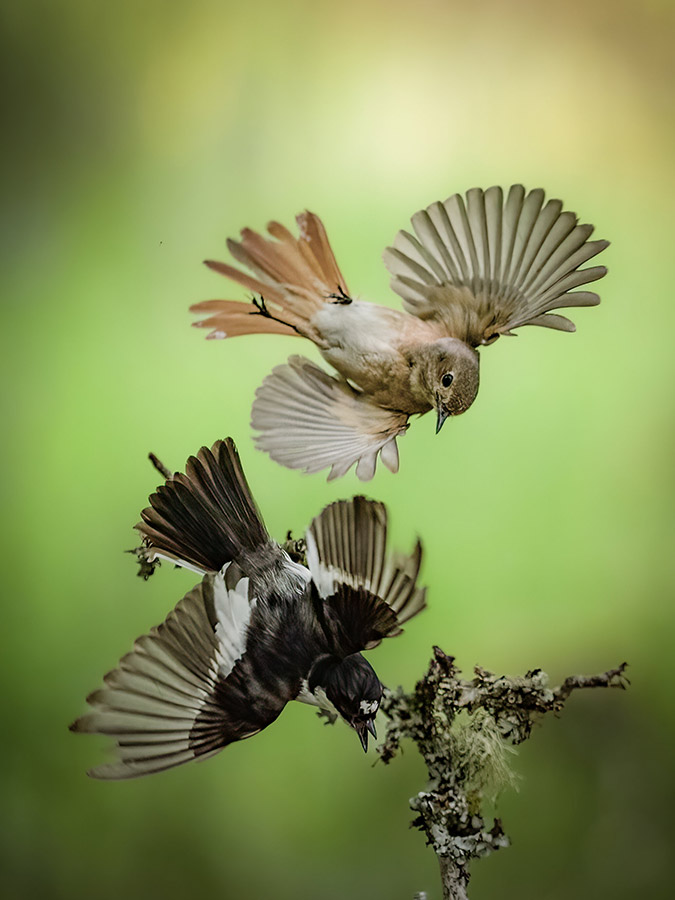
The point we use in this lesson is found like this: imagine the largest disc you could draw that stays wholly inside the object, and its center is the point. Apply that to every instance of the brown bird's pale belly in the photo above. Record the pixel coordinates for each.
(366, 344)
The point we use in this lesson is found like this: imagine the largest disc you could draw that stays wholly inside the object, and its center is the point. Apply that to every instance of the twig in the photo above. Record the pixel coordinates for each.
(147, 562)
(159, 465)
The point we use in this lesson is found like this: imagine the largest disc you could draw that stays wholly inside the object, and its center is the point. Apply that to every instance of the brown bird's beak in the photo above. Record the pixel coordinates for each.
(442, 413)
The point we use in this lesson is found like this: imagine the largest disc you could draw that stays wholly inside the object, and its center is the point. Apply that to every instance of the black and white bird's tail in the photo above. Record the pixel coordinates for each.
(207, 516)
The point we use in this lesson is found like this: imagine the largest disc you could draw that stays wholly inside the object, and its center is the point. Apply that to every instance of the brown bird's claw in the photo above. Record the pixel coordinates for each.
(262, 310)
(340, 297)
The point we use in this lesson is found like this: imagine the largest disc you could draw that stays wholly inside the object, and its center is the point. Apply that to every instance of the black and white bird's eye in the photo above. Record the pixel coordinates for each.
(447, 379)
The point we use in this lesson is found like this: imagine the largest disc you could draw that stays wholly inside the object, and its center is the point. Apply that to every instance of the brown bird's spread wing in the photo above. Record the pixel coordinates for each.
(482, 265)
(309, 420)
(186, 690)
(372, 590)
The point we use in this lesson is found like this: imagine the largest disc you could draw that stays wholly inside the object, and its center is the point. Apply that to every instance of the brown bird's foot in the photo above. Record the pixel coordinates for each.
(262, 310)
(340, 297)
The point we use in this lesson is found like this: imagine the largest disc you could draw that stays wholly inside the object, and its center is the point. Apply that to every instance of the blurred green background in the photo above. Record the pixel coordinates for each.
(138, 136)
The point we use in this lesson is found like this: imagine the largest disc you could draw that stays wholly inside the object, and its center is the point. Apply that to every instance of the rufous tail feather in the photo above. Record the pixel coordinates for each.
(293, 276)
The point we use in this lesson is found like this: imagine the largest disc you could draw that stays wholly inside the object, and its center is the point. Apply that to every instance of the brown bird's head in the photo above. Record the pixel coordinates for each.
(446, 374)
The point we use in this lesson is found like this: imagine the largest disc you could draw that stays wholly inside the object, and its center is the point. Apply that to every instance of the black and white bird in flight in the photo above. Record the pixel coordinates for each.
(259, 629)
(476, 267)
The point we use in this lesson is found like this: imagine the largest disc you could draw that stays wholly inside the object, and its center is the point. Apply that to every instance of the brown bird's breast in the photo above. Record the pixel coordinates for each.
(366, 344)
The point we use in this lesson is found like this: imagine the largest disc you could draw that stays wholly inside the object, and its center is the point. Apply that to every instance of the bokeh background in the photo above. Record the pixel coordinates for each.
(138, 136)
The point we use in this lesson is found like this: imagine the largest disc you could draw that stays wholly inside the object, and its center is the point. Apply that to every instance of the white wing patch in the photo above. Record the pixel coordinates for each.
(233, 610)
(323, 576)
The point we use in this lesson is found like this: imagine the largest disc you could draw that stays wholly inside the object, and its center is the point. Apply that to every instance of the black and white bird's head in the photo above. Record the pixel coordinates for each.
(352, 687)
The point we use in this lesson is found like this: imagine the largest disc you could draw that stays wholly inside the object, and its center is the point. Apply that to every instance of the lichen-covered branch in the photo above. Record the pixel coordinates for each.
(463, 730)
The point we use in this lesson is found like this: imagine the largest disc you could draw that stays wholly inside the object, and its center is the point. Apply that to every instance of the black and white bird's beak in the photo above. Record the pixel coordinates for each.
(442, 413)
(362, 729)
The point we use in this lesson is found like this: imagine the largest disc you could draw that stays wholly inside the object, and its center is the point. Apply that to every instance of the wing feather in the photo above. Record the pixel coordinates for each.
(373, 590)
(480, 265)
(178, 695)
(309, 420)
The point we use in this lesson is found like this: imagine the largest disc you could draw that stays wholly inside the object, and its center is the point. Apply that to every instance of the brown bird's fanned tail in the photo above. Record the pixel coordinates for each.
(309, 420)
(230, 318)
(207, 516)
(293, 275)
(483, 264)
(373, 589)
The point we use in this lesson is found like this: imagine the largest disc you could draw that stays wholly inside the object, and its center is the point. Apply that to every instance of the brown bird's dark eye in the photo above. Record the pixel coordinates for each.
(446, 380)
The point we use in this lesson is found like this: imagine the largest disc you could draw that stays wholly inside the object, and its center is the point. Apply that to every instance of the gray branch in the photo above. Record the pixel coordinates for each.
(463, 730)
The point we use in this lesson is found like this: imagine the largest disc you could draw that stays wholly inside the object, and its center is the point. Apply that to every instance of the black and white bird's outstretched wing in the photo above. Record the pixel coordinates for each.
(371, 590)
(484, 264)
(207, 516)
(187, 689)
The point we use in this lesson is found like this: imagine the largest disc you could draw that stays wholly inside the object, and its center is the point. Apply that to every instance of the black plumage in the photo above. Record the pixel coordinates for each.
(206, 516)
(259, 630)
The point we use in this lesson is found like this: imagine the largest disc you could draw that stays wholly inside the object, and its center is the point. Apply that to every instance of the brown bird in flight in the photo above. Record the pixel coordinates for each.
(476, 267)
